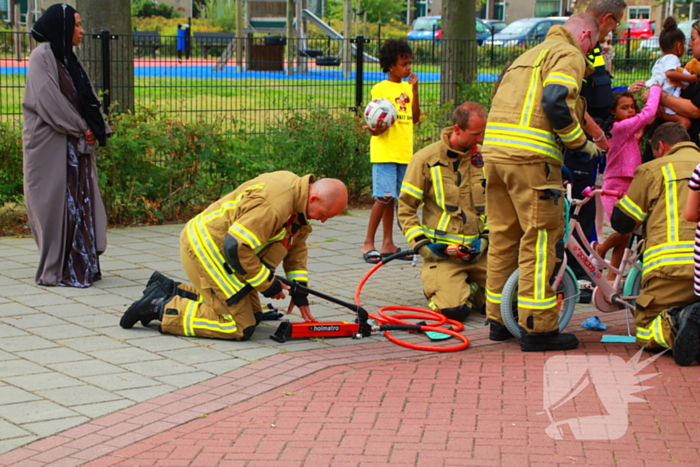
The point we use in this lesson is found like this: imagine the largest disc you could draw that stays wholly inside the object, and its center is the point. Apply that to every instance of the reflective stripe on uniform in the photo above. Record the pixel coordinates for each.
(210, 258)
(533, 87)
(433, 306)
(216, 326)
(563, 78)
(572, 135)
(672, 226)
(493, 297)
(517, 136)
(277, 238)
(439, 190)
(414, 232)
(632, 208)
(412, 190)
(534, 304)
(667, 254)
(444, 237)
(262, 275)
(298, 276)
(241, 231)
(655, 331)
(540, 279)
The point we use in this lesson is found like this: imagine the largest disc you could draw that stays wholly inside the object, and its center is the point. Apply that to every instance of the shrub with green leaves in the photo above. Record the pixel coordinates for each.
(10, 164)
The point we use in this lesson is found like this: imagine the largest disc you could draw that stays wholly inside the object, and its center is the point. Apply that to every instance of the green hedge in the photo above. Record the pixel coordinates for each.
(156, 168)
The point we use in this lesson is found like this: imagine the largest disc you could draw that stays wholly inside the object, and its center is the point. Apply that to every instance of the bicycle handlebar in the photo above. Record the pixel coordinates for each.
(590, 191)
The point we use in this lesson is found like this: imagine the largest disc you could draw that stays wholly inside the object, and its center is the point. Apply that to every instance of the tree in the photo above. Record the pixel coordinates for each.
(114, 16)
(378, 11)
(458, 63)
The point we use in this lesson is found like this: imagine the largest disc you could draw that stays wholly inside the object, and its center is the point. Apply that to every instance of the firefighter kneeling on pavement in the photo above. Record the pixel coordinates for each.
(666, 315)
(447, 179)
(230, 252)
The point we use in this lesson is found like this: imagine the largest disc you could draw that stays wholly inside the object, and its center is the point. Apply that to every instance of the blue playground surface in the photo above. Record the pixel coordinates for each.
(206, 72)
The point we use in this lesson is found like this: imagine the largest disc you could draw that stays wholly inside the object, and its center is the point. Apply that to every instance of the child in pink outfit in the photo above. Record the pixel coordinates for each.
(623, 154)
(623, 157)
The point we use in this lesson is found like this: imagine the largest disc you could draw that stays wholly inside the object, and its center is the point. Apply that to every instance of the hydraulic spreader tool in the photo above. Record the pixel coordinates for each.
(365, 323)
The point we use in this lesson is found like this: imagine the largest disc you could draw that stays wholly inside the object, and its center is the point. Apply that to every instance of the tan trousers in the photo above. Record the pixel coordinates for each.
(655, 329)
(448, 283)
(208, 315)
(525, 223)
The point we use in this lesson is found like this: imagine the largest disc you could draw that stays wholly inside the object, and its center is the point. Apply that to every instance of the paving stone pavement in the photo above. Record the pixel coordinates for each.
(67, 367)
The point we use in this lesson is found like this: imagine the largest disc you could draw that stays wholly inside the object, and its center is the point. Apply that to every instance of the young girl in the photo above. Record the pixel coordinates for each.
(623, 157)
(692, 214)
(667, 71)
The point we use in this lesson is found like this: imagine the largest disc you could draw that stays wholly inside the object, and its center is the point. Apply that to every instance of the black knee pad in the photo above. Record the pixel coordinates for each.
(459, 313)
(248, 333)
(258, 317)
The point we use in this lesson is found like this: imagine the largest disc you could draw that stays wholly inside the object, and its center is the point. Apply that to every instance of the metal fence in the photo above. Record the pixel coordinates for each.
(189, 79)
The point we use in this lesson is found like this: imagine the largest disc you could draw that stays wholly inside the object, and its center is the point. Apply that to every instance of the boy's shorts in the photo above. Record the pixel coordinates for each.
(387, 178)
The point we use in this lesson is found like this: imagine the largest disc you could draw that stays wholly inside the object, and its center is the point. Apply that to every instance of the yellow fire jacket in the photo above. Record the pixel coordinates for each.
(242, 237)
(537, 107)
(657, 198)
(450, 186)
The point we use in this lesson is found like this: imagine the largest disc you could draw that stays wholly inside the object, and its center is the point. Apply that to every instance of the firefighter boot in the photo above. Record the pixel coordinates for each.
(148, 307)
(541, 341)
(498, 332)
(686, 347)
(459, 313)
(158, 280)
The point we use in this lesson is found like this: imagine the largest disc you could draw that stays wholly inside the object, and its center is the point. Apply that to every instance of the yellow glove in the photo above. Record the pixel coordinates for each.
(433, 251)
(587, 152)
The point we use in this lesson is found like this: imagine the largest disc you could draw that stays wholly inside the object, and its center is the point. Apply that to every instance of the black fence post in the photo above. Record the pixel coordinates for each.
(106, 70)
(360, 42)
(629, 39)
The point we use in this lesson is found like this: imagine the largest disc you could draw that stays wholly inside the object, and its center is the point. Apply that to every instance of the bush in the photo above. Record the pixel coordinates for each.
(11, 190)
(325, 144)
(148, 8)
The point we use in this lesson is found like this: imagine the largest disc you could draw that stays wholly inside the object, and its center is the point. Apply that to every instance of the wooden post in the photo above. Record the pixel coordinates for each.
(239, 36)
(347, 32)
(16, 12)
(290, 36)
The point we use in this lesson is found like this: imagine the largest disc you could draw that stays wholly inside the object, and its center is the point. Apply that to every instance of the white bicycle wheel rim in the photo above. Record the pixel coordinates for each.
(510, 295)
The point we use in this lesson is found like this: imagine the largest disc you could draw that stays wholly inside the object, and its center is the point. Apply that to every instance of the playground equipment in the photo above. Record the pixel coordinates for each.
(288, 18)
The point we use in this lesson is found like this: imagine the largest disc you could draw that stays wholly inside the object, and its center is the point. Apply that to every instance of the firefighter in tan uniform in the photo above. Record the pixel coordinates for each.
(656, 199)
(230, 252)
(447, 179)
(533, 113)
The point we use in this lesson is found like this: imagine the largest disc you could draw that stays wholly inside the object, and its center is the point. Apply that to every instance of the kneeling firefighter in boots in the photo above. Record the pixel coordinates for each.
(535, 112)
(666, 315)
(230, 251)
(447, 179)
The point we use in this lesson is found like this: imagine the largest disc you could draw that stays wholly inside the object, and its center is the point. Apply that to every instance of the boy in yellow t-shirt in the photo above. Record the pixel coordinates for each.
(391, 148)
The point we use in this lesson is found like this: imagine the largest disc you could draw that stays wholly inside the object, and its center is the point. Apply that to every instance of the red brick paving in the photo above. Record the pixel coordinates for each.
(379, 404)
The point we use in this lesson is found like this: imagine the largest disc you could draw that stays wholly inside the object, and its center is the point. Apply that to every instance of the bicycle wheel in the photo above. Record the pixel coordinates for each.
(566, 301)
(633, 283)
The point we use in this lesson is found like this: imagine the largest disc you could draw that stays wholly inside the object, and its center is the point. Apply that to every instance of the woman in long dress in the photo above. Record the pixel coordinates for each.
(62, 123)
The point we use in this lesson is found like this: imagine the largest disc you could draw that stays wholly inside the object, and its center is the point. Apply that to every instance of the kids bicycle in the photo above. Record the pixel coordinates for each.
(620, 294)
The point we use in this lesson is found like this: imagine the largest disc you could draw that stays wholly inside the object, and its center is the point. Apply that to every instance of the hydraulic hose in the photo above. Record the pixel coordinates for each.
(395, 322)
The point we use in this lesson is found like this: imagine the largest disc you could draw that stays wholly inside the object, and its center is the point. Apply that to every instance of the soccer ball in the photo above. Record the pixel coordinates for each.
(380, 110)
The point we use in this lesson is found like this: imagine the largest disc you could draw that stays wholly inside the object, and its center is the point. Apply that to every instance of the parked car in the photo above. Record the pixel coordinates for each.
(424, 26)
(495, 25)
(636, 29)
(522, 32)
(651, 45)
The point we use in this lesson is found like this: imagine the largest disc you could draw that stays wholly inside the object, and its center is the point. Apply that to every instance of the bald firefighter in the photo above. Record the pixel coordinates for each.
(534, 113)
(656, 199)
(229, 253)
(447, 179)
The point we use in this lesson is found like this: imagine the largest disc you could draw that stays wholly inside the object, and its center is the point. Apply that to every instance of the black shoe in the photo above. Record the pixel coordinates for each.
(541, 341)
(498, 332)
(585, 295)
(147, 308)
(158, 280)
(686, 347)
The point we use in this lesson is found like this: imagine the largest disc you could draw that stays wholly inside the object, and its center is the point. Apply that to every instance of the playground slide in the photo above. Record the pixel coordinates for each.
(333, 34)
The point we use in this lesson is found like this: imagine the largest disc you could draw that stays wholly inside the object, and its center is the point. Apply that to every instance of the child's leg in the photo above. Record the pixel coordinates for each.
(388, 245)
(617, 242)
(375, 217)
(685, 121)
